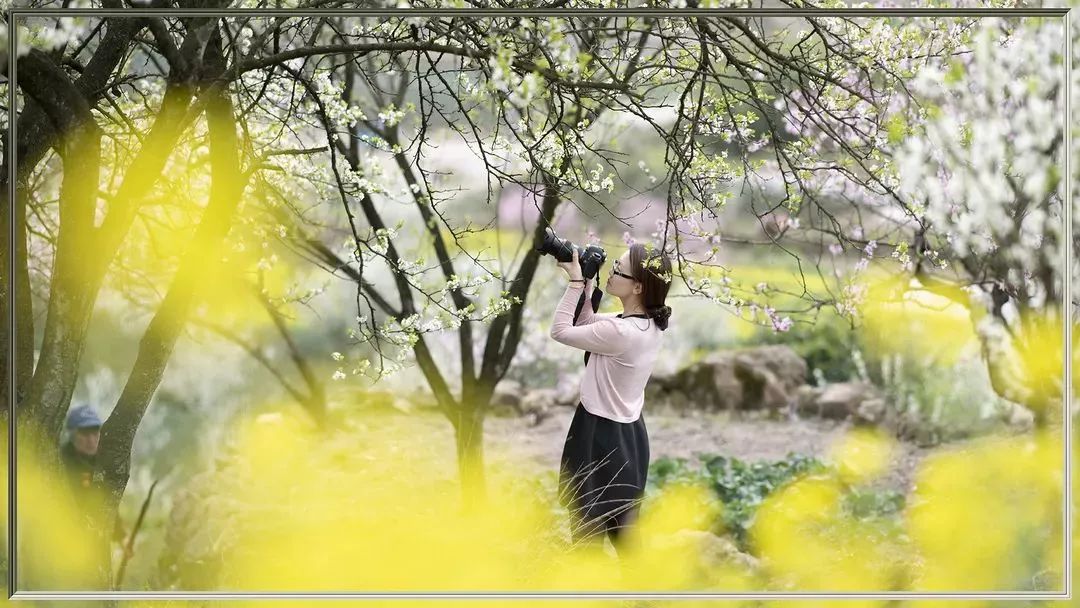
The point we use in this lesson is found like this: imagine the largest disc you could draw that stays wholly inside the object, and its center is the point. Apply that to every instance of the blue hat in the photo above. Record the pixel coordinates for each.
(83, 417)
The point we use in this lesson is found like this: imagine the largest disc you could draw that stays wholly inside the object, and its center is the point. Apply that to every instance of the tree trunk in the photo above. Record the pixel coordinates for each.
(24, 320)
(47, 396)
(505, 332)
(469, 438)
(77, 278)
(36, 136)
(1039, 388)
(155, 349)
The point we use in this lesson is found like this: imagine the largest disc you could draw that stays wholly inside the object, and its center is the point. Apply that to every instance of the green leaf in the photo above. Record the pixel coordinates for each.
(896, 127)
(955, 73)
(1052, 178)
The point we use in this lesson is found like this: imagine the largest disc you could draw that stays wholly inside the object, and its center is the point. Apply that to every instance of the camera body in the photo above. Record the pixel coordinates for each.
(590, 259)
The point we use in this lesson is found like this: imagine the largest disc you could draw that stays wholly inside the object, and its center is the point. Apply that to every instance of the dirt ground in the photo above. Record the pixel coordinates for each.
(748, 437)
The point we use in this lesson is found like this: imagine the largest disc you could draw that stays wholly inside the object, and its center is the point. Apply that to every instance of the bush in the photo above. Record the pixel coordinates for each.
(825, 343)
(935, 401)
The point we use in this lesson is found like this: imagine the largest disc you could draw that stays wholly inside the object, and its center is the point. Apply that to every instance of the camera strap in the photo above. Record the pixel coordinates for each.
(597, 294)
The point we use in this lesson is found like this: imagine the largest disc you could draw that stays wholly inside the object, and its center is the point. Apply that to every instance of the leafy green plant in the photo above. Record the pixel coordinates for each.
(663, 471)
(740, 485)
(870, 503)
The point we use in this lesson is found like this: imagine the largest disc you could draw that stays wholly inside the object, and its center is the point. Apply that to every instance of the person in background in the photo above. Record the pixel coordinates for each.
(78, 456)
(79, 452)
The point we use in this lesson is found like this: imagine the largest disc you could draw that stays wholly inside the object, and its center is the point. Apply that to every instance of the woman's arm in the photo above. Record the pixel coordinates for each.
(603, 335)
(587, 315)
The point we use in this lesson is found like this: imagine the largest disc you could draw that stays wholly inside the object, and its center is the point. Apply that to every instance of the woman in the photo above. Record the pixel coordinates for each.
(605, 459)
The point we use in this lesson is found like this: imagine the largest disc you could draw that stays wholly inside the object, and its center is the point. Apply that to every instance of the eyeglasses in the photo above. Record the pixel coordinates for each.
(615, 270)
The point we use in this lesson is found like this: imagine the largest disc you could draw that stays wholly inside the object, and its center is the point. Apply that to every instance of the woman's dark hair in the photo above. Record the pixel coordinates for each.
(652, 268)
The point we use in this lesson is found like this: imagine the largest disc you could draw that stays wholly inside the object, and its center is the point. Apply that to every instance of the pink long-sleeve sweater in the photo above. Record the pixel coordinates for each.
(624, 351)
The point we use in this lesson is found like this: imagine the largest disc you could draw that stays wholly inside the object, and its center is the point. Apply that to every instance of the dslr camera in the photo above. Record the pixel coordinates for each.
(591, 258)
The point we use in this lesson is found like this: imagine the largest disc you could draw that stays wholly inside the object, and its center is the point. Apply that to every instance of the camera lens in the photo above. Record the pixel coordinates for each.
(560, 249)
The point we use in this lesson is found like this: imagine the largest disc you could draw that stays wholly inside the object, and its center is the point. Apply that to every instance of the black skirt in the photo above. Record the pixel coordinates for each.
(602, 474)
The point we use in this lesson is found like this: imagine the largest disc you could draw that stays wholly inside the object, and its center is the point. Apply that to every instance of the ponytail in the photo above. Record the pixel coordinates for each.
(660, 314)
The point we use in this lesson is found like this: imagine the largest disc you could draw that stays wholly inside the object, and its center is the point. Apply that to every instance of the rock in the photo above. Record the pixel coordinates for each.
(840, 400)
(661, 380)
(871, 411)
(506, 400)
(762, 389)
(372, 401)
(757, 378)
(507, 392)
(788, 367)
(512, 399)
(382, 401)
(1017, 416)
(568, 393)
(539, 399)
(708, 385)
(806, 396)
(679, 402)
(537, 404)
(657, 394)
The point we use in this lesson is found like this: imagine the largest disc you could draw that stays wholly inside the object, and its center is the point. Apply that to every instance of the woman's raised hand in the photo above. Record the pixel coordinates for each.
(573, 267)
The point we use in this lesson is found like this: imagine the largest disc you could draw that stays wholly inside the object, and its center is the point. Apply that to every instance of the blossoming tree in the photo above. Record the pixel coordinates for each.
(291, 109)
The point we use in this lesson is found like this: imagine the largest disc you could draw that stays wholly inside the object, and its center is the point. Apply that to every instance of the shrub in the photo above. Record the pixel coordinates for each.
(936, 402)
(825, 344)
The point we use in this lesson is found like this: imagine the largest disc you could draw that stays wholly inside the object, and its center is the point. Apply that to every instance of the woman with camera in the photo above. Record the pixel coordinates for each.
(605, 459)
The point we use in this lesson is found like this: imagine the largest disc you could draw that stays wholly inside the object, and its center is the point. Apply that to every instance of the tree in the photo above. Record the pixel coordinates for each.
(276, 102)
(984, 173)
(66, 101)
(902, 147)
(718, 70)
(77, 278)
(558, 159)
(949, 160)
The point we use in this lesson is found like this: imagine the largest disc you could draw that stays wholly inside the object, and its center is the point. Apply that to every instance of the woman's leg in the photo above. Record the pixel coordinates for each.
(639, 464)
(577, 477)
(576, 450)
(602, 476)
